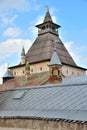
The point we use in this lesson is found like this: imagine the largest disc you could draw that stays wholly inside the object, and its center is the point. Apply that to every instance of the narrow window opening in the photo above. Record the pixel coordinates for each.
(31, 70)
(41, 68)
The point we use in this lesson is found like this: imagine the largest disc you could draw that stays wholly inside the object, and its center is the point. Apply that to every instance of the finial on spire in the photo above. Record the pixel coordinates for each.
(23, 51)
(47, 8)
(23, 56)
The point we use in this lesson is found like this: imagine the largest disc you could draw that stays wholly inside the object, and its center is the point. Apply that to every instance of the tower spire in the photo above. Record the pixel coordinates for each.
(23, 51)
(48, 26)
(55, 60)
(23, 56)
(47, 16)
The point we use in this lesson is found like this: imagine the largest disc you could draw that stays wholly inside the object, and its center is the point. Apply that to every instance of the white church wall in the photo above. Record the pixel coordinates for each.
(69, 71)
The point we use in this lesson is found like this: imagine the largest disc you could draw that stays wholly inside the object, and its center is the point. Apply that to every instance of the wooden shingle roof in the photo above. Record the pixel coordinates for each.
(42, 50)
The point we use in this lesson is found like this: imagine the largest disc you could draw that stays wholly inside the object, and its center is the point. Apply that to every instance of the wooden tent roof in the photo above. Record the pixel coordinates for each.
(42, 48)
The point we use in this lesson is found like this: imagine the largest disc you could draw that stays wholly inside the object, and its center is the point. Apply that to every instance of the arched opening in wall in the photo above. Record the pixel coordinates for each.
(47, 26)
(72, 72)
(31, 70)
(67, 71)
(14, 73)
(59, 73)
(78, 73)
(23, 71)
(40, 68)
(43, 28)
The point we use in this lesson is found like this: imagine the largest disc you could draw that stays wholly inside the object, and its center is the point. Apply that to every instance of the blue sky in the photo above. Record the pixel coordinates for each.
(19, 17)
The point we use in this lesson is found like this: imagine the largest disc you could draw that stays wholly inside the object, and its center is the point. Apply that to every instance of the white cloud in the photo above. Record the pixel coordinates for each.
(77, 52)
(21, 5)
(73, 50)
(69, 44)
(32, 27)
(12, 32)
(9, 7)
(8, 19)
(12, 46)
(52, 12)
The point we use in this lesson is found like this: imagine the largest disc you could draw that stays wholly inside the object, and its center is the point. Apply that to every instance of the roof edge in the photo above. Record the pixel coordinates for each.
(42, 118)
(20, 65)
(47, 22)
(75, 66)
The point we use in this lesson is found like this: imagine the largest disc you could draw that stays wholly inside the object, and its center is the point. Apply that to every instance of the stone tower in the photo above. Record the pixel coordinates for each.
(41, 51)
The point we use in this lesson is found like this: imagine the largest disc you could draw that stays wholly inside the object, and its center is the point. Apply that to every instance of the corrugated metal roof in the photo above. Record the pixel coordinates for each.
(8, 74)
(55, 59)
(66, 101)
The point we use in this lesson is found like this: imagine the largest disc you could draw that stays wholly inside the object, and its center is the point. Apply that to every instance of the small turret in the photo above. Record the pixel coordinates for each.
(55, 68)
(7, 76)
(48, 26)
(23, 56)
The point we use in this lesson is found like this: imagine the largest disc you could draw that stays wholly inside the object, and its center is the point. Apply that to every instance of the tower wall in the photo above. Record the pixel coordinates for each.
(18, 71)
(69, 71)
(39, 67)
(42, 50)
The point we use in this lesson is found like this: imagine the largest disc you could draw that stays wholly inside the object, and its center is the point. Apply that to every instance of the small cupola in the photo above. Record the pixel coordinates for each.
(48, 26)
(55, 68)
(7, 76)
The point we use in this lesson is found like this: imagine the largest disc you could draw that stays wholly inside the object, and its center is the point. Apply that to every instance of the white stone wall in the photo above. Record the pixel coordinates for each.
(18, 71)
(69, 71)
(39, 67)
(10, 128)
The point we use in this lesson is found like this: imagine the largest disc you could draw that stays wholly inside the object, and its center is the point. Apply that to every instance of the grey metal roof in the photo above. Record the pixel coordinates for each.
(58, 101)
(7, 74)
(55, 59)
